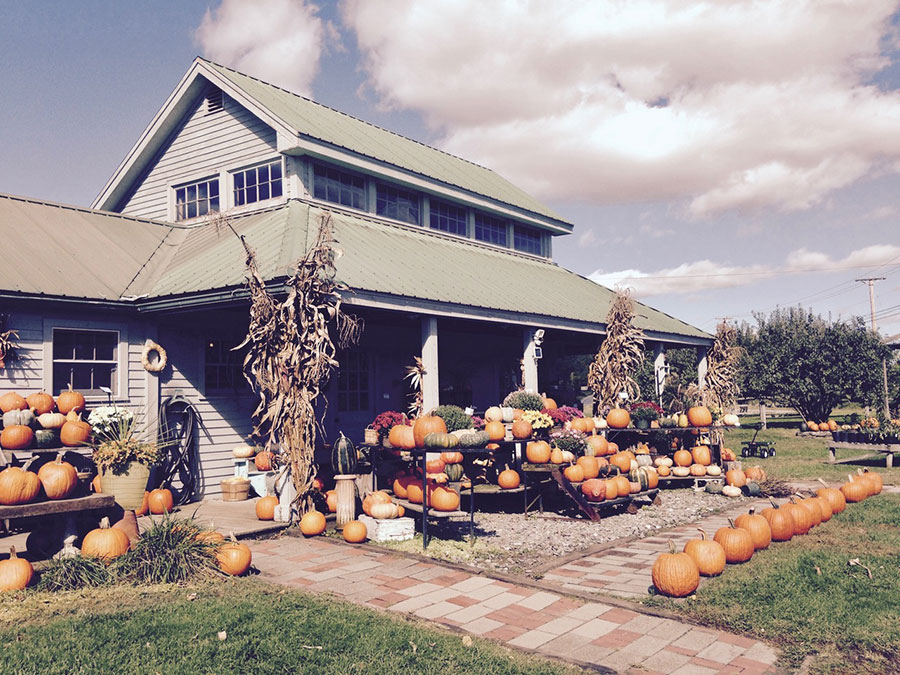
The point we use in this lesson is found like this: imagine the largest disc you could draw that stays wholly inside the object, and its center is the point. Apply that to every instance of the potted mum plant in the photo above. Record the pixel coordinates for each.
(384, 422)
(123, 454)
(643, 413)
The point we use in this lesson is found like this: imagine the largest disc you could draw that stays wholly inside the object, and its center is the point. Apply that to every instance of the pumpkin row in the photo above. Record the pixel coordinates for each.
(41, 402)
(22, 429)
(57, 480)
(678, 574)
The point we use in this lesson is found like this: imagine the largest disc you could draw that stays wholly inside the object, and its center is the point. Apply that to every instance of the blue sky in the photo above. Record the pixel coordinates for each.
(719, 159)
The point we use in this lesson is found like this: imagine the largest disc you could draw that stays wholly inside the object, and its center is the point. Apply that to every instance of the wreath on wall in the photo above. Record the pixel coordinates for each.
(151, 364)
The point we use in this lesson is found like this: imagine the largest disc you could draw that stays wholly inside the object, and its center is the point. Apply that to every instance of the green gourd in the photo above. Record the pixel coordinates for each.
(474, 439)
(23, 418)
(47, 438)
(440, 441)
(714, 487)
(639, 475)
(343, 456)
(454, 471)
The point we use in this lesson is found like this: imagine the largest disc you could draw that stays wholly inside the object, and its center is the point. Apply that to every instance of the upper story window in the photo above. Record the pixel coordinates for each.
(490, 230)
(197, 199)
(85, 360)
(449, 218)
(396, 203)
(527, 240)
(257, 184)
(339, 187)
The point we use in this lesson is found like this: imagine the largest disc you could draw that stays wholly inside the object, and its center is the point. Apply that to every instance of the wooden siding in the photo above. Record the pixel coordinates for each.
(204, 146)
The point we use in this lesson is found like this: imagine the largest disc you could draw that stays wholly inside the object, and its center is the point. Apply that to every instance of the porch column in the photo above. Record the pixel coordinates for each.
(660, 370)
(430, 387)
(702, 366)
(529, 362)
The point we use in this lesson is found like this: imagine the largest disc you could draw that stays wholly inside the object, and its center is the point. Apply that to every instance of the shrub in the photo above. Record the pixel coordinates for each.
(524, 400)
(168, 552)
(454, 417)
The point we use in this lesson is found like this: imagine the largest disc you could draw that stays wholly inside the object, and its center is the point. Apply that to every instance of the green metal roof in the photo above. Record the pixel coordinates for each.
(424, 264)
(320, 122)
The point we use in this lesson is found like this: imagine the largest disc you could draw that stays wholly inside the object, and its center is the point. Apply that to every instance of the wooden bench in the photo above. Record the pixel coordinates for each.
(870, 450)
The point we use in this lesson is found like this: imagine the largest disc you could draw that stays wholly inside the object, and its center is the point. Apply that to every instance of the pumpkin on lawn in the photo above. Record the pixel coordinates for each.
(854, 490)
(738, 543)
(105, 542)
(757, 526)
(233, 557)
(800, 516)
(675, 574)
(708, 555)
(15, 573)
(781, 522)
(833, 496)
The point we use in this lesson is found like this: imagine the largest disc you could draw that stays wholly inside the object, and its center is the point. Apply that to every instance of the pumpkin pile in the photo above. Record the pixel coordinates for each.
(42, 422)
(674, 574)
(19, 485)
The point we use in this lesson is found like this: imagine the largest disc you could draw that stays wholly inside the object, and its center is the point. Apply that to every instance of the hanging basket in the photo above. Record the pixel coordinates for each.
(371, 436)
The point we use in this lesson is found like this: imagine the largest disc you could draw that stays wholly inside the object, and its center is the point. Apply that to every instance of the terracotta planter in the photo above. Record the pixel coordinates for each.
(127, 486)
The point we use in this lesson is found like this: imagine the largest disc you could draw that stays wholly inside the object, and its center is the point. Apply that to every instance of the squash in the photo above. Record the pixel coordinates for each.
(664, 470)
(440, 441)
(589, 467)
(681, 472)
(521, 429)
(714, 470)
(731, 420)
(731, 491)
(618, 418)
(16, 437)
(69, 401)
(508, 414)
(644, 460)
(15, 573)
(105, 542)
(594, 489)
(51, 420)
(312, 524)
(714, 487)
(568, 457)
(556, 456)
(538, 452)
(427, 424)
(265, 507)
(385, 511)
(699, 416)
(663, 461)
(738, 543)
(12, 401)
(59, 478)
(454, 471)
(23, 418)
(698, 470)
(240, 451)
(233, 557)
(675, 574)
(46, 438)
(355, 532)
(379, 497)
(41, 402)
(474, 439)
(708, 555)
(343, 456)
(493, 414)
(74, 434)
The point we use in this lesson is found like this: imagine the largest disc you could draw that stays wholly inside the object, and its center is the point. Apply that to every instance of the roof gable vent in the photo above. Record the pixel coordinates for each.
(215, 101)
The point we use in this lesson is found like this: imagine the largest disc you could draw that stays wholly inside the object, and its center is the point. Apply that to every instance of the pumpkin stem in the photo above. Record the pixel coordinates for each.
(823, 482)
(702, 534)
(59, 456)
(774, 503)
(752, 510)
(104, 523)
(12, 553)
(232, 537)
(731, 523)
(671, 546)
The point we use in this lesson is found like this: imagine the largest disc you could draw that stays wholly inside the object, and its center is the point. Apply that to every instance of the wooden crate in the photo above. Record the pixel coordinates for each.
(393, 529)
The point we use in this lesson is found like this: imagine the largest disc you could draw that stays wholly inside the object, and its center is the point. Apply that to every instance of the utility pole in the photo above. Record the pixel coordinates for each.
(870, 282)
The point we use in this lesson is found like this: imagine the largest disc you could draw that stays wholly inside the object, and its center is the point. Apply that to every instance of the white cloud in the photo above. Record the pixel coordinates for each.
(279, 41)
(708, 275)
(732, 104)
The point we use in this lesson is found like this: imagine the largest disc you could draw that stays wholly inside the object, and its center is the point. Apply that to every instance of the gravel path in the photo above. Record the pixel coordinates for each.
(513, 544)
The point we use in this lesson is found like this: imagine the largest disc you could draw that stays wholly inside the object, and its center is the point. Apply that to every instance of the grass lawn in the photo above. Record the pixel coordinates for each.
(170, 629)
(804, 458)
(805, 597)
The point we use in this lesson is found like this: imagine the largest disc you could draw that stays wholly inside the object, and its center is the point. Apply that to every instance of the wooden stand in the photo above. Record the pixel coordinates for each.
(871, 450)
(345, 487)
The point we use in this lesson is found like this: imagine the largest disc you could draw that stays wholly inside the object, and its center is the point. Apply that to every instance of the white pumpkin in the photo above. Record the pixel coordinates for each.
(731, 491)
(663, 461)
(681, 471)
(384, 511)
(493, 414)
(600, 423)
(713, 470)
(242, 451)
(51, 420)
(568, 457)
(731, 420)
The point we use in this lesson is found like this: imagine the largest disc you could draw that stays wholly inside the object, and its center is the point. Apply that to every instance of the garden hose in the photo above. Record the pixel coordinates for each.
(178, 418)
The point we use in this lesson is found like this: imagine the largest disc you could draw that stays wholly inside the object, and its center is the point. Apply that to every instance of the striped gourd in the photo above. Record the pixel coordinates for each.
(639, 475)
(343, 456)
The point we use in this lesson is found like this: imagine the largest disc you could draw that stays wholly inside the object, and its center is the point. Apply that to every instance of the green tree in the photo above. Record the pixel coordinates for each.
(798, 359)
(682, 373)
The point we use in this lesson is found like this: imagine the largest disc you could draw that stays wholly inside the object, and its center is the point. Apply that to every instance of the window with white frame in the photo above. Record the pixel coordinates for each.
(258, 183)
(528, 240)
(447, 217)
(490, 230)
(197, 199)
(353, 381)
(339, 187)
(85, 360)
(397, 203)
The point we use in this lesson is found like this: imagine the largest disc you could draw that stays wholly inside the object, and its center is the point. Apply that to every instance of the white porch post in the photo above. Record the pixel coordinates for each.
(659, 369)
(702, 366)
(529, 362)
(430, 383)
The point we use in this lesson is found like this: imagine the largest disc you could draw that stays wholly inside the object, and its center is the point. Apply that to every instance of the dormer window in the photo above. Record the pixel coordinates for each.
(197, 199)
(258, 184)
(339, 187)
(527, 240)
(490, 230)
(396, 203)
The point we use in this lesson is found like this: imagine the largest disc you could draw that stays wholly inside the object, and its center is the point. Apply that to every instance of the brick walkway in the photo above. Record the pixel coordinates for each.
(624, 570)
(588, 633)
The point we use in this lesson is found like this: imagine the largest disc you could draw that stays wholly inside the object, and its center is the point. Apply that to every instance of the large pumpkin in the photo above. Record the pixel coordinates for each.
(708, 555)
(105, 542)
(538, 452)
(265, 507)
(675, 574)
(757, 526)
(355, 532)
(800, 516)
(589, 467)
(12, 401)
(16, 437)
(377, 497)
(701, 455)
(69, 401)
(597, 445)
(618, 418)
(574, 473)
(834, 497)
(594, 489)
(312, 523)
(854, 490)
(15, 573)
(874, 479)
(812, 508)
(699, 416)
(59, 478)
(233, 557)
(402, 436)
(443, 498)
(508, 479)
(41, 402)
(683, 458)
(521, 429)
(738, 543)
(75, 433)
(736, 478)
(495, 431)
(427, 424)
(781, 522)
(18, 486)
(622, 461)
(160, 501)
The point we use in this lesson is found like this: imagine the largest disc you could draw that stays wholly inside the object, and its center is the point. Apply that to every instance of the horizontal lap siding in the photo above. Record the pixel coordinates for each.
(224, 420)
(25, 375)
(207, 144)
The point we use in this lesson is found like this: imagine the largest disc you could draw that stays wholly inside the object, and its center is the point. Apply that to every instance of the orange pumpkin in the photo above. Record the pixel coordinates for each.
(556, 456)
(698, 470)
(622, 461)
(427, 424)
(495, 431)
(618, 418)
(521, 429)
(594, 489)
(451, 457)
(538, 452)
(265, 507)
(589, 467)
(675, 574)
(736, 477)
(854, 490)
(16, 437)
(12, 401)
(738, 543)
(833, 496)
(508, 479)
(355, 532)
(434, 466)
(758, 527)
(574, 473)
(41, 402)
(415, 492)
(701, 455)
(755, 473)
(401, 436)
(800, 516)
(598, 444)
(699, 416)
(781, 522)
(59, 478)
(623, 485)
(377, 497)
(105, 542)
(312, 524)
(728, 455)
(69, 401)
(145, 504)
(683, 458)
(18, 486)
(549, 403)
(443, 499)
(160, 501)
(263, 460)
(612, 489)
(612, 448)
(331, 501)
(663, 471)
(233, 557)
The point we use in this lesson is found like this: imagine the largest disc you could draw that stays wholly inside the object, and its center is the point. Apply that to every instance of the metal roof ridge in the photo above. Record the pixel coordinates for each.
(97, 212)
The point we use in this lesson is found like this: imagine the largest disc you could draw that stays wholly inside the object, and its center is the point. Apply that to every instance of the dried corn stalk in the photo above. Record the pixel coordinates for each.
(416, 376)
(721, 389)
(291, 354)
(619, 356)
(8, 342)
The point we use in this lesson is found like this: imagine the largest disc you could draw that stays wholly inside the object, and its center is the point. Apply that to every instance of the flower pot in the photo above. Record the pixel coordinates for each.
(127, 485)
(642, 424)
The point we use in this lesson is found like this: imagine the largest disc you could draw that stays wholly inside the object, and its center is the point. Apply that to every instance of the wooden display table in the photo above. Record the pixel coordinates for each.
(57, 506)
(870, 450)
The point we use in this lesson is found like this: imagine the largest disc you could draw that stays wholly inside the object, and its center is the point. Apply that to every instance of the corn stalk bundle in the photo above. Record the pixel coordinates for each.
(416, 376)
(291, 354)
(8, 342)
(721, 387)
(619, 356)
